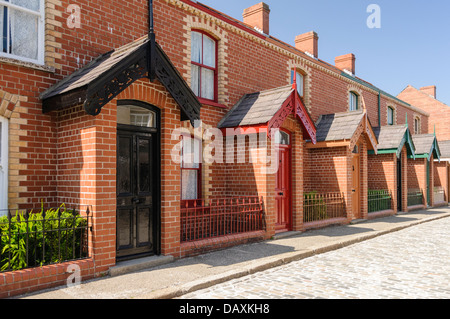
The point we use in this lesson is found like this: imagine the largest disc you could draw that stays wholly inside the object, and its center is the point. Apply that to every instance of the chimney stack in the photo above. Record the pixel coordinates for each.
(308, 43)
(430, 90)
(346, 62)
(258, 16)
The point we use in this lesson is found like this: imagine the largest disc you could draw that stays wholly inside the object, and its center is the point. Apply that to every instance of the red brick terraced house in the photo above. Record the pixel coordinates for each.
(421, 170)
(388, 179)
(111, 113)
(425, 98)
(337, 164)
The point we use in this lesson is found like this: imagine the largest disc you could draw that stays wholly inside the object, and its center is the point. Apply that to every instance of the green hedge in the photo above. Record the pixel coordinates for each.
(37, 239)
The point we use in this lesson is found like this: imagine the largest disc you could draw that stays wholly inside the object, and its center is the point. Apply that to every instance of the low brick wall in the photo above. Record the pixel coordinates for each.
(196, 248)
(25, 281)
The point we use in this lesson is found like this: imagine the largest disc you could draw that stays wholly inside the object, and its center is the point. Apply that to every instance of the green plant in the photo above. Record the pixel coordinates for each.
(36, 239)
(314, 207)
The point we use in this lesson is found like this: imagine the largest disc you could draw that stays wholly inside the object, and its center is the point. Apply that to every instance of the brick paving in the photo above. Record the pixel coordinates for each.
(408, 264)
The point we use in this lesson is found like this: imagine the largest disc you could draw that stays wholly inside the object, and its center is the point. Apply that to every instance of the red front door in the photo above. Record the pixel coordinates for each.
(283, 191)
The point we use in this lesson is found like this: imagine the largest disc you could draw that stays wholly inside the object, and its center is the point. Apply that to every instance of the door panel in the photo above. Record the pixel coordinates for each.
(124, 222)
(135, 193)
(356, 187)
(124, 166)
(282, 196)
(144, 231)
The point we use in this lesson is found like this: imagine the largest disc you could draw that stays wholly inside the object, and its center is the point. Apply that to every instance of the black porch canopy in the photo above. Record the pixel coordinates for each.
(100, 81)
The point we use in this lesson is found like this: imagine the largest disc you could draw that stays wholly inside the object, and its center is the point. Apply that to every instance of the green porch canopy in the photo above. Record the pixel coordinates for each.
(392, 138)
(427, 145)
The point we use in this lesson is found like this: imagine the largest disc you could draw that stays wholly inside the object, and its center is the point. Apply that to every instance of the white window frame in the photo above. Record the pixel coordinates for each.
(202, 66)
(4, 156)
(353, 104)
(41, 32)
(417, 125)
(391, 110)
(300, 78)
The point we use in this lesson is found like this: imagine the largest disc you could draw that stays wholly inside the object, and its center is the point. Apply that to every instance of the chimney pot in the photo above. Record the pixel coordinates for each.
(258, 16)
(308, 42)
(430, 90)
(346, 62)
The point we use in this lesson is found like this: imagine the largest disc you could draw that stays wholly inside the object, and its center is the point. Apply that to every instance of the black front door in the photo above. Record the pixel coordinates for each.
(137, 192)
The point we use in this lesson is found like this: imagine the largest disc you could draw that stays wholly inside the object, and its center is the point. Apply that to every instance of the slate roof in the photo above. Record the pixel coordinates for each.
(337, 127)
(94, 70)
(424, 143)
(256, 108)
(390, 137)
(444, 146)
(98, 82)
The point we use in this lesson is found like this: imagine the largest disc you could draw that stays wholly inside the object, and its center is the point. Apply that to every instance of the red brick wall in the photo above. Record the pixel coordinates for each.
(439, 112)
(116, 26)
(382, 175)
(441, 177)
(417, 176)
(326, 170)
(30, 280)
(69, 157)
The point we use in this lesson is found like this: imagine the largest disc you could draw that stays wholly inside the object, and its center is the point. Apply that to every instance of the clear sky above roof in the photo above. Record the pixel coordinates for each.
(411, 47)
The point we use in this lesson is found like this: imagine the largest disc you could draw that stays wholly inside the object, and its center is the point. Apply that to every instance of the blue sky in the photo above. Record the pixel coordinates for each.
(411, 47)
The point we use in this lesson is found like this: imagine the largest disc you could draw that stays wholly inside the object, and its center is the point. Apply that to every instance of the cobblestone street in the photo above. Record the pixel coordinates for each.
(412, 263)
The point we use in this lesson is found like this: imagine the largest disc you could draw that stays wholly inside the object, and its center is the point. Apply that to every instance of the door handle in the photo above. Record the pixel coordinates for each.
(354, 190)
(135, 200)
(280, 194)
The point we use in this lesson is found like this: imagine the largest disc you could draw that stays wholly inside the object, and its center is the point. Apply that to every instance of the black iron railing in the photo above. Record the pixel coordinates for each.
(319, 207)
(221, 217)
(51, 236)
(379, 200)
(415, 197)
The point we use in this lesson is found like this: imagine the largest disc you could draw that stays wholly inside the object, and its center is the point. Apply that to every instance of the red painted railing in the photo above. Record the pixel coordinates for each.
(220, 217)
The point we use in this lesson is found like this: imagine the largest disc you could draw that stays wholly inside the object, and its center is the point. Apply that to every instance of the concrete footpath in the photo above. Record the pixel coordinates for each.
(165, 278)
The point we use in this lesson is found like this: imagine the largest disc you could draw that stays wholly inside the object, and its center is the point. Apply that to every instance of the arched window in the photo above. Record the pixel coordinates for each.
(203, 65)
(417, 125)
(354, 100)
(390, 116)
(300, 79)
(135, 115)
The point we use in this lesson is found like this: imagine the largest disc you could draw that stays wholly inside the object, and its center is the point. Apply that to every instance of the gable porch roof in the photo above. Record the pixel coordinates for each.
(344, 129)
(101, 80)
(392, 138)
(444, 147)
(269, 109)
(426, 145)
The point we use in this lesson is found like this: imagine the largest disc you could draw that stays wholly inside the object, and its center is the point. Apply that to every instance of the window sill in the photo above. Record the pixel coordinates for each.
(29, 65)
(211, 103)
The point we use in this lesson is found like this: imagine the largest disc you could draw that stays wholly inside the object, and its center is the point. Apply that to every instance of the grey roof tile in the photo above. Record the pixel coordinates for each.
(445, 149)
(256, 108)
(423, 143)
(339, 126)
(94, 69)
(390, 137)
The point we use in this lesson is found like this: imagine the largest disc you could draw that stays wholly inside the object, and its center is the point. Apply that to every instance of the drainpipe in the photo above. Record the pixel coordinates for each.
(379, 108)
(152, 44)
